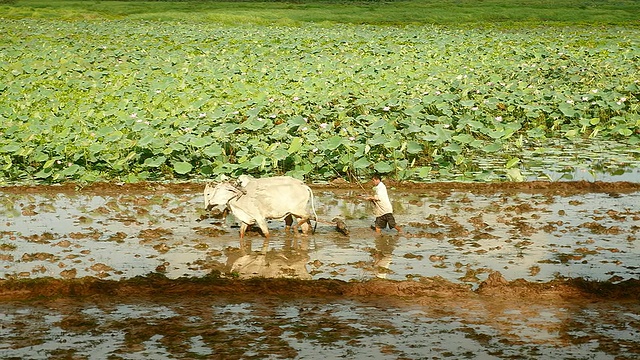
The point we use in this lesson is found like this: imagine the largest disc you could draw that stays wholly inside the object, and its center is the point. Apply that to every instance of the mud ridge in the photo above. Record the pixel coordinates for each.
(158, 285)
(560, 187)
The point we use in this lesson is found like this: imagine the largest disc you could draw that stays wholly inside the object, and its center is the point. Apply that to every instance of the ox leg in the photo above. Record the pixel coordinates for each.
(288, 222)
(243, 229)
(305, 224)
(262, 223)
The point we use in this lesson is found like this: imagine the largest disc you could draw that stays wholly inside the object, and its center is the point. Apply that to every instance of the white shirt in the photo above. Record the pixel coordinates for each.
(382, 204)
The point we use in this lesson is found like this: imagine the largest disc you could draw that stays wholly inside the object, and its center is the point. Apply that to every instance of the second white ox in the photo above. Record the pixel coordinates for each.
(255, 201)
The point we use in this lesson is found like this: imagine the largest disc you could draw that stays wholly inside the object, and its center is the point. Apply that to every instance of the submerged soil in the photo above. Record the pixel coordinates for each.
(557, 187)
(427, 295)
(422, 291)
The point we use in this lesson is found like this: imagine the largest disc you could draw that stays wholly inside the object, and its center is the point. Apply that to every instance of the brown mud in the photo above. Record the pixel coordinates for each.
(547, 187)
(155, 285)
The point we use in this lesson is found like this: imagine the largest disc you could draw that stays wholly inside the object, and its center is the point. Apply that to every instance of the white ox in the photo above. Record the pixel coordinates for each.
(254, 201)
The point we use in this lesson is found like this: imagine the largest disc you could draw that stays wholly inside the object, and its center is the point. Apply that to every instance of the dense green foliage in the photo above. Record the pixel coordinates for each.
(137, 100)
(451, 12)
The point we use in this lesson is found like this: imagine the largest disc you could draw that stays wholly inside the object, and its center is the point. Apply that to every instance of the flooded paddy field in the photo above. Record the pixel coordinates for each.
(490, 271)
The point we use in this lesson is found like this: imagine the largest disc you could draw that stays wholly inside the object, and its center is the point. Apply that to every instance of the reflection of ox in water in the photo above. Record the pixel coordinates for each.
(254, 201)
(290, 262)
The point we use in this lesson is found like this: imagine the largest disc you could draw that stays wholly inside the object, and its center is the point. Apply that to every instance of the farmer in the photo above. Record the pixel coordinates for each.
(382, 206)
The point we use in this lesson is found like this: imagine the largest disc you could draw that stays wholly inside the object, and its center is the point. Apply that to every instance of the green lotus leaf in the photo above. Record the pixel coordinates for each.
(512, 162)
(414, 110)
(255, 124)
(442, 133)
(392, 144)
(139, 126)
(11, 148)
(496, 146)
(182, 167)
(113, 136)
(361, 163)
(213, 150)
(378, 124)
(567, 109)
(96, 148)
(176, 146)
(44, 173)
(146, 140)
(201, 141)
(155, 161)
(424, 172)
(40, 157)
(463, 138)
(257, 161)
(333, 142)
(383, 167)
(495, 133)
(229, 128)
(625, 132)
(453, 148)
(378, 140)
(71, 170)
(278, 155)
(535, 133)
(297, 121)
(295, 146)
(414, 147)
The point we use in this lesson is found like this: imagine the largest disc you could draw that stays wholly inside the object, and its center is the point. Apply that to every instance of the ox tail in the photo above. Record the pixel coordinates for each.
(313, 208)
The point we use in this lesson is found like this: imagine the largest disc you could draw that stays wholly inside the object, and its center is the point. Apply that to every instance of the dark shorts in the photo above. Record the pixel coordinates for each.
(384, 220)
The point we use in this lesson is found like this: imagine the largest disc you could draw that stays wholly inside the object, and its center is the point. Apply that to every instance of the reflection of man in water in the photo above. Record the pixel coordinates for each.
(383, 255)
(382, 206)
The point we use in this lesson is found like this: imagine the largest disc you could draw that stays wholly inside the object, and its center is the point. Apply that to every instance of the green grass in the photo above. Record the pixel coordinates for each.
(446, 12)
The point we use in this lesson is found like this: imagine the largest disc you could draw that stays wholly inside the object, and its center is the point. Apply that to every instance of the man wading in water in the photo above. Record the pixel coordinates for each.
(382, 206)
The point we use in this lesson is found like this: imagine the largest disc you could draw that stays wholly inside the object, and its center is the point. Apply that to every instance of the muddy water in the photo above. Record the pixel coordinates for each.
(460, 236)
(311, 328)
(453, 234)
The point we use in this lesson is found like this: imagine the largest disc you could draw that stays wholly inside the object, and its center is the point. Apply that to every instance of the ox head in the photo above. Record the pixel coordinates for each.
(243, 180)
(219, 195)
